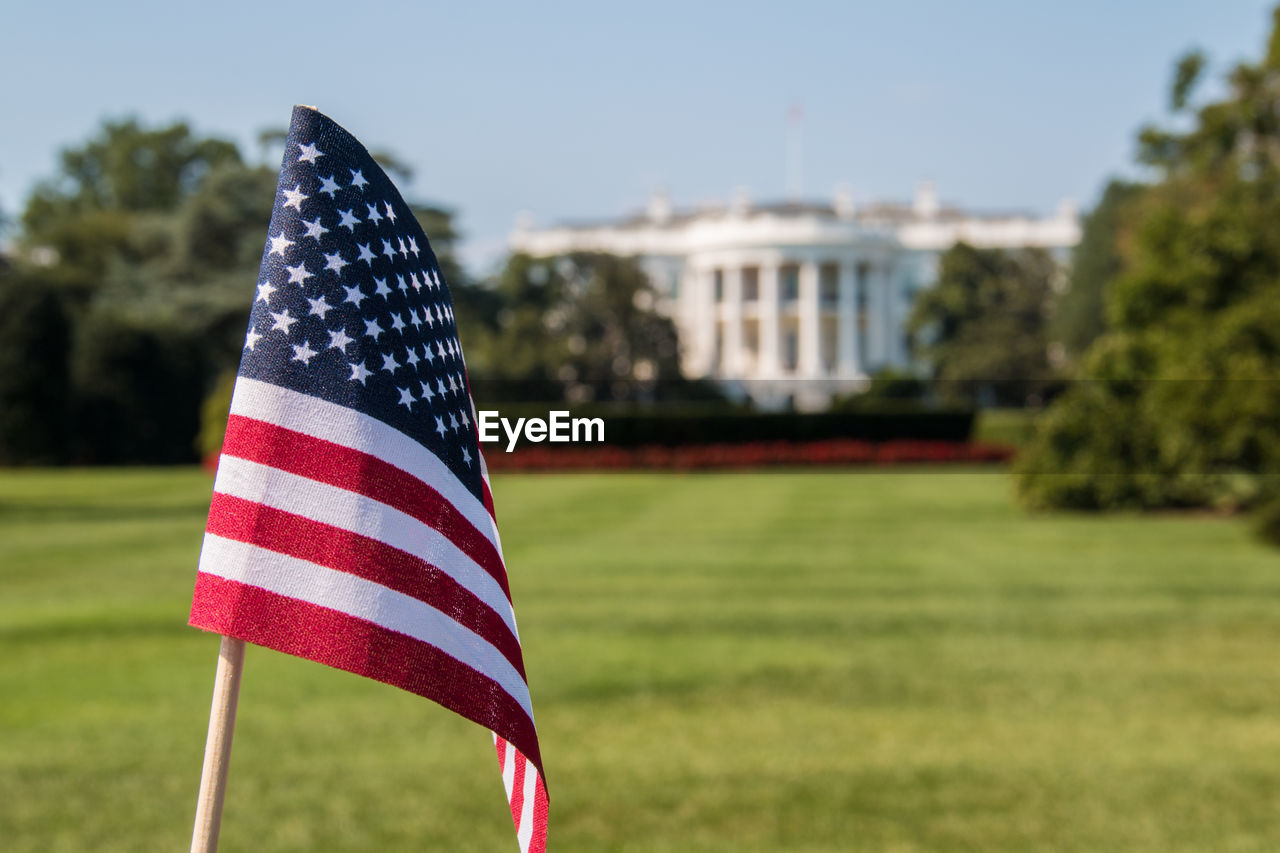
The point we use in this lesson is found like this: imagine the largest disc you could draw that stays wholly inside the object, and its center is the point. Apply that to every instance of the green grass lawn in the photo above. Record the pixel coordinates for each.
(780, 661)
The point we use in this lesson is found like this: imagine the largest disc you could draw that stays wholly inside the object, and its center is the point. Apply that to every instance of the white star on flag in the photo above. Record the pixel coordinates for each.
(359, 373)
(279, 243)
(334, 262)
(314, 229)
(303, 352)
(298, 274)
(283, 321)
(309, 154)
(338, 340)
(294, 198)
(319, 307)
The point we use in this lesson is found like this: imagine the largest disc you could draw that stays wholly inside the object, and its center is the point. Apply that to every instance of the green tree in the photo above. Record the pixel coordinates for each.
(982, 328)
(1079, 315)
(84, 215)
(148, 241)
(192, 270)
(35, 338)
(1178, 403)
(579, 327)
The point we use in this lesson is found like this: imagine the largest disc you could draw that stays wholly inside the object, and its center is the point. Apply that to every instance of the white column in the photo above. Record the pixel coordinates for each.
(733, 321)
(847, 323)
(810, 326)
(705, 318)
(770, 363)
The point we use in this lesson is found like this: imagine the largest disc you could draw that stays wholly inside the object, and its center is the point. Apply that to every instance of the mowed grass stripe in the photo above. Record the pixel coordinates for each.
(777, 661)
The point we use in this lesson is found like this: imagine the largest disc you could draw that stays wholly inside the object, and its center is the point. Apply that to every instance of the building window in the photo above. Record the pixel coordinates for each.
(829, 342)
(861, 300)
(750, 284)
(791, 351)
(789, 283)
(717, 278)
(829, 283)
(675, 285)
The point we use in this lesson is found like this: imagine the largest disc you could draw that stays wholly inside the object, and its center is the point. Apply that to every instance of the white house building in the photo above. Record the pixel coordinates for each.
(797, 300)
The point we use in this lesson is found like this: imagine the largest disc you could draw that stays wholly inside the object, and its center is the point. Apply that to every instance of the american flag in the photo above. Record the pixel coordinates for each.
(352, 521)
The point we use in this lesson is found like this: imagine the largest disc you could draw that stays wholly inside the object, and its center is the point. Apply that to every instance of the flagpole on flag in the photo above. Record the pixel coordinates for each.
(217, 748)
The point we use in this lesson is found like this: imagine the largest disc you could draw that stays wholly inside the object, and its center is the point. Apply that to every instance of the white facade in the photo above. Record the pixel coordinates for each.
(797, 301)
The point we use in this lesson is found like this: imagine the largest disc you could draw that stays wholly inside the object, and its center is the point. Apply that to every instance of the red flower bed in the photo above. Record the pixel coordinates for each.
(749, 455)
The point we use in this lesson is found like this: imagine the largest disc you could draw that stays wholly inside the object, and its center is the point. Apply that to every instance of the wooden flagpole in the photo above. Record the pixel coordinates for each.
(217, 748)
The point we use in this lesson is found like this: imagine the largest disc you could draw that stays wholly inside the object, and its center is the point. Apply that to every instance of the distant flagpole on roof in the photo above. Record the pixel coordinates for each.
(352, 520)
(795, 152)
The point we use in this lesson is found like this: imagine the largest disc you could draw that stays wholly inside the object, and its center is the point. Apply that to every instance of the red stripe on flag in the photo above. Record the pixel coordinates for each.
(538, 843)
(517, 789)
(538, 837)
(345, 468)
(286, 533)
(488, 499)
(344, 642)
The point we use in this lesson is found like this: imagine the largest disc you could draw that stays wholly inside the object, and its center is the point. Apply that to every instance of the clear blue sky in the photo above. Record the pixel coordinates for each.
(575, 110)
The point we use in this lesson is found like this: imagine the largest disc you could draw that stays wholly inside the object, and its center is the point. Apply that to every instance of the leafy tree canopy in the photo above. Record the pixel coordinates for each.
(1079, 315)
(85, 212)
(1177, 403)
(982, 328)
(579, 327)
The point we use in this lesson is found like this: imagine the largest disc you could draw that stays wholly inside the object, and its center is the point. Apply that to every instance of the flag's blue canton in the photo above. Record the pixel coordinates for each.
(351, 306)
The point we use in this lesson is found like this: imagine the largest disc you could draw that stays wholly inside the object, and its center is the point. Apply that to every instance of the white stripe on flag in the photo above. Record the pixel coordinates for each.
(525, 833)
(262, 484)
(312, 416)
(509, 769)
(354, 596)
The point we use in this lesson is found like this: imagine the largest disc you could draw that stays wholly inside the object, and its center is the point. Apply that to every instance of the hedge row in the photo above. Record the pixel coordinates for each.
(750, 455)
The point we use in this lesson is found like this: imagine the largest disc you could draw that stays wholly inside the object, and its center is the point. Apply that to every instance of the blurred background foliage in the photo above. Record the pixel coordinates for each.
(1173, 399)
(1147, 368)
(122, 308)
